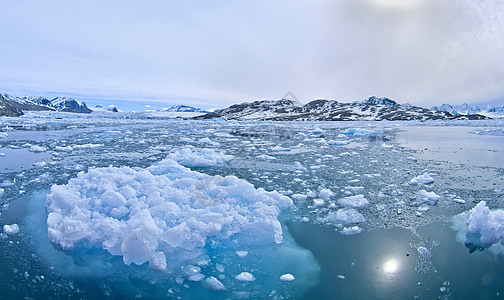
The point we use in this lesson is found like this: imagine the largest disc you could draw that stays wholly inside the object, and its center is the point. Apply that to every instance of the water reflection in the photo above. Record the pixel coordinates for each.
(391, 266)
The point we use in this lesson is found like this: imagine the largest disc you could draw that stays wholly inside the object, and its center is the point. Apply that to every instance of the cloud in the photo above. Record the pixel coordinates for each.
(222, 52)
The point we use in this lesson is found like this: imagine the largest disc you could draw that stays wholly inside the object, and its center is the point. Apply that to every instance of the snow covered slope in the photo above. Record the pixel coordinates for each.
(14, 106)
(371, 109)
(494, 112)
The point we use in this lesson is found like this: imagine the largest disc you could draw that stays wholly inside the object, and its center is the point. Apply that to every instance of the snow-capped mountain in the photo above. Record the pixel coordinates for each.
(466, 109)
(14, 106)
(184, 108)
(371, 109)
(110, 108)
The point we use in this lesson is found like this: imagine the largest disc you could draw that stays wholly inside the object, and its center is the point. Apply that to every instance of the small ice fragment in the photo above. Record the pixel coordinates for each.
(196, 277)
(2, 154)
(425, 178)
(11, 229)
(245, 276)
(353, 201)
(341, 276)
(442, 289)
(36, 148)
(423, 251)
(213, 283)
(304, 219)
(423, 208)
(287, 277)
(458, 200)
(351, 230)
(40, 164)
(318, 202)
(430, 196)
(241, 254)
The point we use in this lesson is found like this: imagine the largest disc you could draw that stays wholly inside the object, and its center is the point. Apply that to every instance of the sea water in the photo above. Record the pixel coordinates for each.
(372, 214)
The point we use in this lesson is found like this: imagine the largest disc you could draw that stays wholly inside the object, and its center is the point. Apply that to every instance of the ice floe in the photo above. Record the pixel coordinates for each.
(353, 201)
(203, 158)
(146, 215)
(11, 229)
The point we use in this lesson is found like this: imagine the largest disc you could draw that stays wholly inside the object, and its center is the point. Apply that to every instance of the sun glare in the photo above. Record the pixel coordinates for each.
(391, 266)
(398, 4)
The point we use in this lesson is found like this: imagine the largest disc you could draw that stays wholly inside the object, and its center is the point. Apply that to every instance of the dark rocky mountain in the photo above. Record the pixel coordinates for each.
(15, 106)
(371, 109)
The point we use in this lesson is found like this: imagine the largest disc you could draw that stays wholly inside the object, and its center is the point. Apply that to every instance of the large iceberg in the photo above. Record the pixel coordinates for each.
(165, 211)
(481, 228)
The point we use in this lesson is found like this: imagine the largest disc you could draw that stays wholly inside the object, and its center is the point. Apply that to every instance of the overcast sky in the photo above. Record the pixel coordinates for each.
(216, 53)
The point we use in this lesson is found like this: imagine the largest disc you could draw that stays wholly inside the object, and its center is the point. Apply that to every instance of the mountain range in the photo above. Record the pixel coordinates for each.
(184, 108)
(465, 109)
(14, 106)
(371, 109)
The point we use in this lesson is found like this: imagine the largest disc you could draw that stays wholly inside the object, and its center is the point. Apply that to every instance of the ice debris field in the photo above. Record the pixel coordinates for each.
(108, 208)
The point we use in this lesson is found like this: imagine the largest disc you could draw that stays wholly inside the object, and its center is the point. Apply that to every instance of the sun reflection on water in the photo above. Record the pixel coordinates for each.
(391, 266)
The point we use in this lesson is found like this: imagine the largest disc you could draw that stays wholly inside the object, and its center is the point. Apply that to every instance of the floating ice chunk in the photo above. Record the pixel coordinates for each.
(297, 166)
(358, 132)
(40, 164)
(338, 143)
(35, 148)
(166, 210)
(458, 200)
(241, 254)
(341, 276)
(245, 276)
(318, 131)
(213, 283)
(387, 146)
(11, 229)
(428, 196)
(425, 178)
(279, 149)
(423, 208)
(265, 157)
(353, 201)
(65, 149)
(423, 251)
(203, 158)
(299, 197)
(480, 227)
(2, 154)
(412, 158)
(287, 277)
(3, 134)
(318, 202)
(354, 189)
(87, 146)
(196, 277)
(351, 230)
(1, 191)
(345, 216)
(326, 193)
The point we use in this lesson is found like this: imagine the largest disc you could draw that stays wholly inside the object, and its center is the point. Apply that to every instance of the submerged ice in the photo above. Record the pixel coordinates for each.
(481, 228)
(164, 211)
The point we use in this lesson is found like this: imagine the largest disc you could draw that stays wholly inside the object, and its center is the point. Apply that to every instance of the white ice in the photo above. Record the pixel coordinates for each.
(166, 210)
(202, 158)
(480, 226)
(425, 178)
(345, 216)
(245, 276)
(353, 201)
(11, 229)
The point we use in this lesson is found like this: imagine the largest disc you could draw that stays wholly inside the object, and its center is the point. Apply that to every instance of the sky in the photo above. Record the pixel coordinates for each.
(211, 54)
